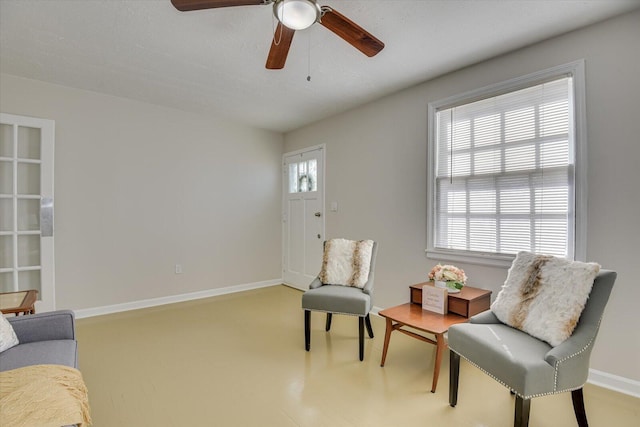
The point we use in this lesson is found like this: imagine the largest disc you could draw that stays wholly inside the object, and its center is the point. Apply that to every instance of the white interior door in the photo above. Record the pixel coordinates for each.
(26, 207)
(303, 216)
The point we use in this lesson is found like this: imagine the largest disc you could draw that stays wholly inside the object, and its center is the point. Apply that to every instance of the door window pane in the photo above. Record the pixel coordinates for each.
(6, 282)
(6, 251)
(28, 143)
(28, 251)
(312, 171)
(28, 215)
(303, 177)
(29, 280)
(28, 178)
(6, 214)
(6, 140)
(6, 177)
(293, 178)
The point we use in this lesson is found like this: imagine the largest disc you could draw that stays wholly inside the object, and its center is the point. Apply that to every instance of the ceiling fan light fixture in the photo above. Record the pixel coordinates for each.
(297, 14)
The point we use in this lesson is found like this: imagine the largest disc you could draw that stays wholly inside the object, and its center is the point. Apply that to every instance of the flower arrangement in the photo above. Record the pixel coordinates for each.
(454, 276)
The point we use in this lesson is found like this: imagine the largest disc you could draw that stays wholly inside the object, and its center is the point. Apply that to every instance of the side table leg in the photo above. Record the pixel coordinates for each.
(440, 345)
(387, 337)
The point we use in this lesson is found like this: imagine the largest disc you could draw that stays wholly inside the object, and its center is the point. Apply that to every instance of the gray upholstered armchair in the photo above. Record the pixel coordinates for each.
(526, 365)
(330, 298)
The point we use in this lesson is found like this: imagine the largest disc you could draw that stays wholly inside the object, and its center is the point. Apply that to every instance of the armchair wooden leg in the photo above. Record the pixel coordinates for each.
(327, 326)
(578, 407)
(361, 336)
(367, 321)
(307, 329)
(454, 375)
(523, 407)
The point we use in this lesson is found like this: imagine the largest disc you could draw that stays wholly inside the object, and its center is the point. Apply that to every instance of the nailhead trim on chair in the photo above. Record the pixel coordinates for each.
(555, 379)
(511, 388)
(589, 344)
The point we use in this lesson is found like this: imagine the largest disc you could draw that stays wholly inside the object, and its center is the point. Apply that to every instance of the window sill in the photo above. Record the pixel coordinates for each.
(478, 258)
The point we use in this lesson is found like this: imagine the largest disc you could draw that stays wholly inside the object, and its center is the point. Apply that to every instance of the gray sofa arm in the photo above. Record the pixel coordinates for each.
(54, 325)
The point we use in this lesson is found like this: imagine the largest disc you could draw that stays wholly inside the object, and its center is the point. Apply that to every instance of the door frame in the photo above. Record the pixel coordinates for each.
(283, 212)
(47, 296)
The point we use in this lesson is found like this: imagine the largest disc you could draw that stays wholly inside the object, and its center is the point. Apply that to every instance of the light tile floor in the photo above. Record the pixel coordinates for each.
(239, 360)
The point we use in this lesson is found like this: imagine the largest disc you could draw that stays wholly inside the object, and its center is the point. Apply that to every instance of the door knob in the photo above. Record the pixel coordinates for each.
(318, 214)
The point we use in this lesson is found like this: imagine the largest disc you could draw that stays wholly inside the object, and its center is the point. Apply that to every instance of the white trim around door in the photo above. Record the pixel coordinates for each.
(303, 224)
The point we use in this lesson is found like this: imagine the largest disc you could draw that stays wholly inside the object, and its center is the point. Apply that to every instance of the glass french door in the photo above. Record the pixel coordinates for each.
(26, 207)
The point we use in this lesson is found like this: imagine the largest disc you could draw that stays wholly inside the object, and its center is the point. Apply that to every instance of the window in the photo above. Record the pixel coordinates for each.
(505, 169)
(303, 176)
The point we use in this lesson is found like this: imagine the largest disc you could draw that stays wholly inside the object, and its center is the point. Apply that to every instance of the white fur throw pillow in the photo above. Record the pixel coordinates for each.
(8, 337)
(544, 295)
(346, 262)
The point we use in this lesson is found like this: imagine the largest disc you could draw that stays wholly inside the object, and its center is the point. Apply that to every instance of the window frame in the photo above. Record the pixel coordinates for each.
(576, 70)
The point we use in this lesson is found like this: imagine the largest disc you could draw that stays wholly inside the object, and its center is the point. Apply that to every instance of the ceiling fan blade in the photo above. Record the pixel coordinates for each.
(278, 52)
(351, 32)
(186, 5)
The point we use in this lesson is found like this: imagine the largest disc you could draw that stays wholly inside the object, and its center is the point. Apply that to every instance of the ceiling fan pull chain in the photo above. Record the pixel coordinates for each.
(309, 57)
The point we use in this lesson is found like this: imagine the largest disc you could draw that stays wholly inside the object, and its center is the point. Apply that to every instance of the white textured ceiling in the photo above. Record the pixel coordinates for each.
(213, 61)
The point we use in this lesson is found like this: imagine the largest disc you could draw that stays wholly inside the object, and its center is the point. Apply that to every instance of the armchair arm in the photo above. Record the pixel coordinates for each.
(55, 325)
(486, 317)
(315, 284)
(368, 287)
(580, 343)
(571, 357)
(570, 360)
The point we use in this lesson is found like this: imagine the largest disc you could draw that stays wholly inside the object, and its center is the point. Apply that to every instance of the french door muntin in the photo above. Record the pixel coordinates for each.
(26, 207)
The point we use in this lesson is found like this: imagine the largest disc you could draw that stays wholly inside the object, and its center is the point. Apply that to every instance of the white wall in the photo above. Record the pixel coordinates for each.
(376, 171)
(139, 188)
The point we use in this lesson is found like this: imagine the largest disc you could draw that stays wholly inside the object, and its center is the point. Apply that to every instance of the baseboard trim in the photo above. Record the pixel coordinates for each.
(614, 382)
(300, 288)
(153, 302)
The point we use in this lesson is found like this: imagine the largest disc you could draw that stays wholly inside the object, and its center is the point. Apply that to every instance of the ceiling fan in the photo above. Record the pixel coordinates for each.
(295, 15)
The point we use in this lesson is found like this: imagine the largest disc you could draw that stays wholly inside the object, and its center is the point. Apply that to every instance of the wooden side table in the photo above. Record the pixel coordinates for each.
(18, 302)
(413, 316)
(468, 302)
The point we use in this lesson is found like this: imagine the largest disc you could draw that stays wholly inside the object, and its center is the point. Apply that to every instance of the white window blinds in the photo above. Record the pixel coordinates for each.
(504, 172)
